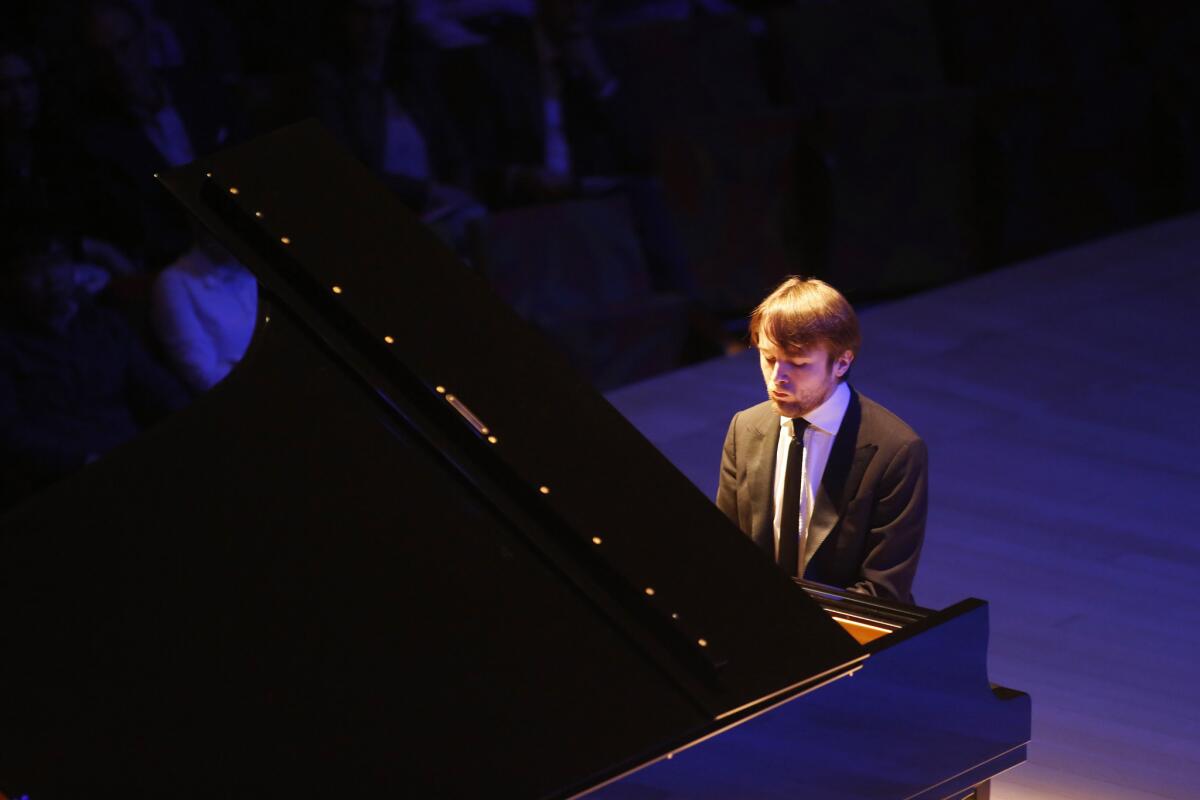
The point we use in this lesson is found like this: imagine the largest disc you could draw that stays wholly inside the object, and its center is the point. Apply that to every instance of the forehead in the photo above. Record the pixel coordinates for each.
(768, 346)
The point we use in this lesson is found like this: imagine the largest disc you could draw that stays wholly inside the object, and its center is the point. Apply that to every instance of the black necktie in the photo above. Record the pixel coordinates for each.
(789, 517)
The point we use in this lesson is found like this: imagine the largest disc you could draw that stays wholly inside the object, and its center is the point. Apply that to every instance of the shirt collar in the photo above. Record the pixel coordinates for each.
(827, 416)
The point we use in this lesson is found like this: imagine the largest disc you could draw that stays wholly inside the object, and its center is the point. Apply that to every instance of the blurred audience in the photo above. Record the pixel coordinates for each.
(42, 167)
(136, 121)
(546, 116)
(467, 105)
(197, 37)
(379, 96)
(204, 310)
(550, 121)
(464, 23)
(636, 12)
(74, 379)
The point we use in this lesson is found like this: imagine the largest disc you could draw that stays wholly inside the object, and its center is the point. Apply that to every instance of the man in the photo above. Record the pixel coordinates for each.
(379, 96)
(827, 482)
(75, 381)
(137, 121)
(545, 117)
(547, 120)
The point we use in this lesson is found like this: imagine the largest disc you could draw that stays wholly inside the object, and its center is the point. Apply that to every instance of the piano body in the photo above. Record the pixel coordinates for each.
(404, 550)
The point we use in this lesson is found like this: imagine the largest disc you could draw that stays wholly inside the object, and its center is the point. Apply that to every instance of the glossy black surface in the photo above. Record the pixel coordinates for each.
(919, 721)
(876, 611)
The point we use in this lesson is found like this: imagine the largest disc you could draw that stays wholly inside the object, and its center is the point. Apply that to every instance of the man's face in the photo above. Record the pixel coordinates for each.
(800, 380)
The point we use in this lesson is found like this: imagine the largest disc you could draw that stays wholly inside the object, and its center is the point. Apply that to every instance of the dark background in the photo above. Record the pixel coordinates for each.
(886, 146)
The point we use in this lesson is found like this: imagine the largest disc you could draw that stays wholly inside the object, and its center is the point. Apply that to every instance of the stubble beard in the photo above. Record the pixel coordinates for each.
(802, 405)
(790, 409)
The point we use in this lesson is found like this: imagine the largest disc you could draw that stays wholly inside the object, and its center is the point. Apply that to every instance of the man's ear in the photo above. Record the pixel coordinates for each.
(843, 362)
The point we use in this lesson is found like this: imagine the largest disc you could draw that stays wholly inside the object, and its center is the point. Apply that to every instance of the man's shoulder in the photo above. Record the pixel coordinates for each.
(880, 423)
(760, 416)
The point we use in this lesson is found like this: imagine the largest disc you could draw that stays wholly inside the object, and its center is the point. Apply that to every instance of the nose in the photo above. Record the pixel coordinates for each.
(781, 373)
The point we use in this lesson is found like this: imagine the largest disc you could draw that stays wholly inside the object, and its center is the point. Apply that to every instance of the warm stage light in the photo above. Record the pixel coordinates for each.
(337, 290)
(650, 591)
(702, 642)
(596, 540)
(389, 340)
(544, 489)
(285, 240)
(233, 190)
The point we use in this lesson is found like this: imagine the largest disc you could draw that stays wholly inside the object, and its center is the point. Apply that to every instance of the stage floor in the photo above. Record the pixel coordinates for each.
(1060, 399)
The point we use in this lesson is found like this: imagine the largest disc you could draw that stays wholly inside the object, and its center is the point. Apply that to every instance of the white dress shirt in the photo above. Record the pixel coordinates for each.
(823, 424)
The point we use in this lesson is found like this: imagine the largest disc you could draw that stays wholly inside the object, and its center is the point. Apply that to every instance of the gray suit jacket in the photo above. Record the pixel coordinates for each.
(868, 520)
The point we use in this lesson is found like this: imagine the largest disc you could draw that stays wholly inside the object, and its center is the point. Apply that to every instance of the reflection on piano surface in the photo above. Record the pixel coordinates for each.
(403, 550)
(919, 720)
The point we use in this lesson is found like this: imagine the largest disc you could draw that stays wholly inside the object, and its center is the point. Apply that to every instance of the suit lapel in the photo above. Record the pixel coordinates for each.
(760, 480)
(848, 459)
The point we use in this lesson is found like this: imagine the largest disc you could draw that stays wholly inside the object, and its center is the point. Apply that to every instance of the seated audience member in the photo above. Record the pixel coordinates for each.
(546, 117)
(138, 121)
(183, 34)
(42, 170)
(550, 121)
(74, 380)
(464, 23)
(204, 310)
(380, 101)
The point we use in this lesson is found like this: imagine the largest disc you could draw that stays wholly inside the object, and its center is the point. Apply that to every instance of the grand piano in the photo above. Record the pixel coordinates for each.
(405, 550)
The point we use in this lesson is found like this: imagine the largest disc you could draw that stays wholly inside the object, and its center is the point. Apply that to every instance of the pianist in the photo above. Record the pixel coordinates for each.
(827, 482)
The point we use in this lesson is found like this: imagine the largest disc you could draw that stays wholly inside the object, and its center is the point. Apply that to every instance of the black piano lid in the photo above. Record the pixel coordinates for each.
(403, 541)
